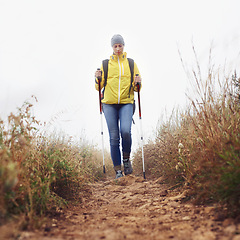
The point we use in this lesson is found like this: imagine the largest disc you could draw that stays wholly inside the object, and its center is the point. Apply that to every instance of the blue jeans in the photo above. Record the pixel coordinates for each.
(115, 114)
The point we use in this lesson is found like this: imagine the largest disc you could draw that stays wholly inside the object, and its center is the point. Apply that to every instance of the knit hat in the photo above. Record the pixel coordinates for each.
(117, 39)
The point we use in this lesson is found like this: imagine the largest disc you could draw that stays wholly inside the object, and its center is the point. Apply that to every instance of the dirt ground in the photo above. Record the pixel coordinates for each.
(133, 208)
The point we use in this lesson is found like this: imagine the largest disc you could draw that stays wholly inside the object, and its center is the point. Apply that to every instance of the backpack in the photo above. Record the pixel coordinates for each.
(105, 69)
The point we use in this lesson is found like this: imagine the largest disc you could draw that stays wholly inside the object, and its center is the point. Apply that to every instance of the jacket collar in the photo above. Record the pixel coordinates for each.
(115, 57)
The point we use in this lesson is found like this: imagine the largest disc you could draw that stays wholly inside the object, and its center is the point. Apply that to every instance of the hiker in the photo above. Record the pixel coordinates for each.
(119, 77)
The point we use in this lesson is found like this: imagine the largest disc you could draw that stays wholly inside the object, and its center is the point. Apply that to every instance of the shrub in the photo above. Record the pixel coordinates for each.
(201, 145)
(38, 173)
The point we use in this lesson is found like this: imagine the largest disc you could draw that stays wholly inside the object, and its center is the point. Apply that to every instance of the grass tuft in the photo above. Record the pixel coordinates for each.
(41, 174)
(199, 147)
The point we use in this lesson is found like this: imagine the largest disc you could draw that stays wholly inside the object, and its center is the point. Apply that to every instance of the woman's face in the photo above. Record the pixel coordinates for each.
(118, 49)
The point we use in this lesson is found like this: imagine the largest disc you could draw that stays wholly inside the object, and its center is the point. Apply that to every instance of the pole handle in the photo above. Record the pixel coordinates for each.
(99, 90)
(139, 104)
(138, 84)
(99, 78)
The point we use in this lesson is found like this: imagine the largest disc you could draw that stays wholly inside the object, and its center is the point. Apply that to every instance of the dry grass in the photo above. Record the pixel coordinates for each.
(200, 147)
(40, 174)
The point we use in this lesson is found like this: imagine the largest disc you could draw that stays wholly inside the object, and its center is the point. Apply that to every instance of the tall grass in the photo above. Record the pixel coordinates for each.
(40, 174)
(200, 146)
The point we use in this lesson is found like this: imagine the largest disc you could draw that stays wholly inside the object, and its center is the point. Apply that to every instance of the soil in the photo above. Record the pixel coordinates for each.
(133, 208)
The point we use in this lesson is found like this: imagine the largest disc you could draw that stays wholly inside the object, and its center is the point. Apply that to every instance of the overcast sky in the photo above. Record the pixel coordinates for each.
(51, 49)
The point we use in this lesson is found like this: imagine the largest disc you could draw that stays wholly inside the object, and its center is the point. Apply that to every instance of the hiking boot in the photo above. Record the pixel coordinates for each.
(127, 166)
(118, 174)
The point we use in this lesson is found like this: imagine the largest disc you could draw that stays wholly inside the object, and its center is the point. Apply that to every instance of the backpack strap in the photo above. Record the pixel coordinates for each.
(131, 66)
(105, 69)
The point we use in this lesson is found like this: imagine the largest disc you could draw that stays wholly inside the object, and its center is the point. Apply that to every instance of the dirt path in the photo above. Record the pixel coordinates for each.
(131, 208)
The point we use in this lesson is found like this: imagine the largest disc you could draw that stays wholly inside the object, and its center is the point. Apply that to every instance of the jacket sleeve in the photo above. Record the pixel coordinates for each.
(136, 71)
(101, 81)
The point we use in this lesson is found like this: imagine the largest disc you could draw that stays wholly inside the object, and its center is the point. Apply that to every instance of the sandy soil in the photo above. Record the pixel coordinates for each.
(131, 208)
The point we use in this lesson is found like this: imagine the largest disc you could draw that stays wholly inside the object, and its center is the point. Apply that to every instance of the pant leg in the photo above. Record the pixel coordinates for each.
(111, 113)
(125, 116)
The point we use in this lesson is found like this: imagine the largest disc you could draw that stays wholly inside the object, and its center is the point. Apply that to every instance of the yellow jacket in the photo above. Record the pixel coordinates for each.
(118, 81)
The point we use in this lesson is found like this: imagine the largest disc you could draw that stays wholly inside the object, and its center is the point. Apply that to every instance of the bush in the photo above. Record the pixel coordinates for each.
(201, 145)
(40, 174)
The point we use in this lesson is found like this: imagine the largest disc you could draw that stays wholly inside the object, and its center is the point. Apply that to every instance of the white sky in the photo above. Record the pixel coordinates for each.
(51, 49)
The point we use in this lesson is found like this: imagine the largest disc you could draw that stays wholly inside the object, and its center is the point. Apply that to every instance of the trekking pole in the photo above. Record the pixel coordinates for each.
(100, 106)
(140, 120)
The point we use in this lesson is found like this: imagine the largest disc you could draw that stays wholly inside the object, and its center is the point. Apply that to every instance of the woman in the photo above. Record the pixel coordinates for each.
(118, 101)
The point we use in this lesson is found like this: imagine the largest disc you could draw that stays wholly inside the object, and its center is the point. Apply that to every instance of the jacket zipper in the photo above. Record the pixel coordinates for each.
(119, 85)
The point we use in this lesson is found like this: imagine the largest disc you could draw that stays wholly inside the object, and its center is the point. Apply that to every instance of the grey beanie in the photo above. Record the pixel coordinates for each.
(117, 39)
